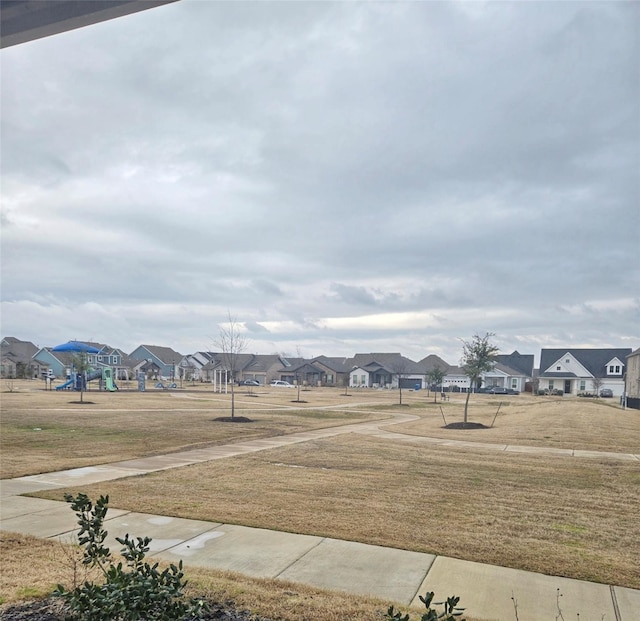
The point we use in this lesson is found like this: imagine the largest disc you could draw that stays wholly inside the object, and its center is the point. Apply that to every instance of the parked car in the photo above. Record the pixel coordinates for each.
(498, 390)
(281, 384)
(249, 382)
(606, 392)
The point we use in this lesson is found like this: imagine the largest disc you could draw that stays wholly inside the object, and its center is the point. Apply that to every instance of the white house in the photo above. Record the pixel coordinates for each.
(575, 371)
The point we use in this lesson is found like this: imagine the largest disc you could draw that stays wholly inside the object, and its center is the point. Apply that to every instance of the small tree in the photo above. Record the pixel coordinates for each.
(597, 385)
(232, 343)
(478, 356)
(399, 368)
(435, 376)
(81, 365)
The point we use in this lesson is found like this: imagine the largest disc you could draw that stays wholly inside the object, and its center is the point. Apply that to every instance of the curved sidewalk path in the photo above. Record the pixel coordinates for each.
(486, 591)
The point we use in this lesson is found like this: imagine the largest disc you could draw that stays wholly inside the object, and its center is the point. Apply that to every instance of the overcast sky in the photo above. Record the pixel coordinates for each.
(340, 177)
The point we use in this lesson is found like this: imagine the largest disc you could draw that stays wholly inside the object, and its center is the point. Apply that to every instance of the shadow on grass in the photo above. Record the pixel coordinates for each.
(465, 426)
(234, 419)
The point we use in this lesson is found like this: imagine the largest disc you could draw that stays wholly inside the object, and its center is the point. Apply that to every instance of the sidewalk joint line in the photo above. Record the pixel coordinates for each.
(424, 577)
(614, 601)
(322, 540)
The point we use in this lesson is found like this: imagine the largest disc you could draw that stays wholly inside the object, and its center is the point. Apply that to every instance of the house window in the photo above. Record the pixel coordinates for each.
(363, 380)
(583, 385)
(567, 361)
(329, 378)
(550, 384)
(558, 368)
(614, 369)
(514, 383)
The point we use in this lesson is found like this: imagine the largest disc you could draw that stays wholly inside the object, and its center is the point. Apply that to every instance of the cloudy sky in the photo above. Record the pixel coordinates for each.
(339, 177)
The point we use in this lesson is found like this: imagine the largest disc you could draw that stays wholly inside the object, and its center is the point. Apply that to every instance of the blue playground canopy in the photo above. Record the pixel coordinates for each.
(76, 346)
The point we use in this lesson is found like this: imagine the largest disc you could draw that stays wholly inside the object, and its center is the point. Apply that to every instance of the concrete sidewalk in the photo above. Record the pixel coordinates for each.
(486, 591)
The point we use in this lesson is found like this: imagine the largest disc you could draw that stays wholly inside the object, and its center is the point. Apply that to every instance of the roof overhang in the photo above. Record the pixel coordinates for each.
(26, 20)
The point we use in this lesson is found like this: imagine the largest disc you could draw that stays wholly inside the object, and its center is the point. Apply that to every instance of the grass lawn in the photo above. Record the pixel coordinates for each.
(46, 431)
(31, 568)
(575, 517)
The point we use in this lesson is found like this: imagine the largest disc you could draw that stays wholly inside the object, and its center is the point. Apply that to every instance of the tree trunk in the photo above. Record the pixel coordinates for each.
(233, 399)
(466, 407)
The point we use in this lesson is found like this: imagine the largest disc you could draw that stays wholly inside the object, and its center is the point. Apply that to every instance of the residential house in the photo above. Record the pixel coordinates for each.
(334, 370)
(60, 364)
(191, 365)
(575, 371)
(265, 368)
(632, 380)
(456, 380)
(16, 358)
(384, 370)
(166, 359)
(428, 364)
(510, 371)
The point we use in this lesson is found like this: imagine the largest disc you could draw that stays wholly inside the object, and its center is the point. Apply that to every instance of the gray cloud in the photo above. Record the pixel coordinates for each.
(323, 169)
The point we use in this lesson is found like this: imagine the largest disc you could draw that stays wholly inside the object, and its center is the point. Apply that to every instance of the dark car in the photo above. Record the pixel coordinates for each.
(249, 383)
(607, 393)
(496, 390)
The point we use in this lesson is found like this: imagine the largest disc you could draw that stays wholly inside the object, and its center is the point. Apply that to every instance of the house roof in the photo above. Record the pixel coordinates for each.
(336, 363)
(510, 371)
(432, 361)
(390, 362)
(17, 350)
(593, 360)
(521, 363)
(165, 354)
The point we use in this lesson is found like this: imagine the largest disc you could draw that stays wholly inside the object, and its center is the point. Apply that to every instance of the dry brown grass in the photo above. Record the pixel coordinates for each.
(559, 516)
(574, 423)
(556, 515)
(31, 568)
(42, 431)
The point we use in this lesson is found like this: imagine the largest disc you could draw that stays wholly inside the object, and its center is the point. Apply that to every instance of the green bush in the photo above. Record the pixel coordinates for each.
(449, 613)
(139, 591)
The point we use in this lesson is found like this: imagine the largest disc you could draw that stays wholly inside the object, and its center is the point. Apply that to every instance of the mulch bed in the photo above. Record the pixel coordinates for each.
(465, 426)
(52, 609)
(234, 419)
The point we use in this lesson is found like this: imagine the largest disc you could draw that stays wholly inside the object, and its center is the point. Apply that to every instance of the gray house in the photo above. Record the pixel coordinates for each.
(16, 358)
(166, 359)
(385, 370)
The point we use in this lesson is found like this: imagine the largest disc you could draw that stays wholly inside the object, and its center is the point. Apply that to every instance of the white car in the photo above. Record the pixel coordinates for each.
(281, 384)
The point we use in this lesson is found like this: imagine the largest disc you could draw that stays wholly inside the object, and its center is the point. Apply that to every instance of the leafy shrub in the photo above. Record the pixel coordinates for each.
(139, 591)
(449, 613)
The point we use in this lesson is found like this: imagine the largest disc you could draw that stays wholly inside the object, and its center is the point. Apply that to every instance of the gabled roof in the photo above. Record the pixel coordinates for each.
(432, 361)
(521, 363)
(17, 350)
(510, 371)
(336, 363)
(389, 362)
(165, 354)
(263, 362)
(593, 360)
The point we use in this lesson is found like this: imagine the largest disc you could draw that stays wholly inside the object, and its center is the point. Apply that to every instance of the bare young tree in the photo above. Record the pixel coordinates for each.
(597, 383)
(435, 376)
(400, 368)
(231, 343)
(478, 356)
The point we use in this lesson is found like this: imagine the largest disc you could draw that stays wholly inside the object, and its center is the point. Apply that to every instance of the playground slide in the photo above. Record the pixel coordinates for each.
(108, 380)
(94, 375)
(65, 385)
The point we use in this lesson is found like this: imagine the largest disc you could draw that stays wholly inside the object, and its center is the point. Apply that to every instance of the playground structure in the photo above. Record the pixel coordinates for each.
(78, 381)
